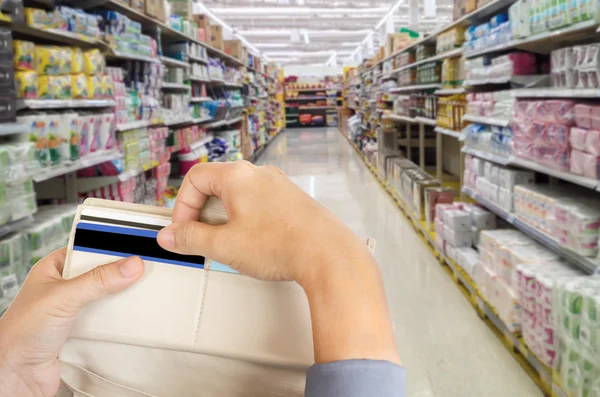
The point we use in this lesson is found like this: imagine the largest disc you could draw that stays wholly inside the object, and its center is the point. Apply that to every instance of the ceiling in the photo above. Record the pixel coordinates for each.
(309, 32)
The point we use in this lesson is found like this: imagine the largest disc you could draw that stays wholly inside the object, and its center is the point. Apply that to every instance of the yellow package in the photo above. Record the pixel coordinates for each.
(95, 86)
(40, 18)
(54, 87)
(94, 62)
(108, 87)
(79, 86)
(26, 84)
(23, 55)
(47, 60)
(78, 63)
(66, 60)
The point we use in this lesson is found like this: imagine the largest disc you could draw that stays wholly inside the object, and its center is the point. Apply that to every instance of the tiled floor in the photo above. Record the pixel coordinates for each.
(446, 347)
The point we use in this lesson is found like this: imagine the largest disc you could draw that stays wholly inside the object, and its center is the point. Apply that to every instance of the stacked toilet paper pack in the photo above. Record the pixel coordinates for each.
(458, 227)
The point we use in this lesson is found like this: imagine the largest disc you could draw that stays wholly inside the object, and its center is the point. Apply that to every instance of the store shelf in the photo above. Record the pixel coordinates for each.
(232, 84)
(114, 54)
(445, 131)
(530, 165)
(454, 53)
(222, 123)
(91, 183)
(200, 99)
(494, 158)
(201, 120)
(16, 226)
(400, 118)
(309, 98)
(420, 87)
(63, 103)
(313, 89)
(542, 41)
(426, 121)
(174, 86)
(185, 120)
(231, 61)
(555, 93)
(199, 78)
(201, 142)
(486, 120)
(586, 264)
(317, 107)
(55, 35)
(62, 169)
(195, 58)
(13, 128)
(450, 91)
(136, 124)
(174, 63)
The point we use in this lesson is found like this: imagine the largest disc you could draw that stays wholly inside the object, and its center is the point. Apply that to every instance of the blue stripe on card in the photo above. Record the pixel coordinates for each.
(146, 258)
(117, 229)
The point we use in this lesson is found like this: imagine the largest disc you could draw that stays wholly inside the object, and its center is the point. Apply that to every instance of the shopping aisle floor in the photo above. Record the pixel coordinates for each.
(447, 349)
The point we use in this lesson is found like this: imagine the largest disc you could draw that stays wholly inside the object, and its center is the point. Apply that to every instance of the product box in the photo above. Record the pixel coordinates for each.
(233, 48)
(401, 40)
(203, 22)
(389, 45)
(216, 37)
(457, 220)
(482, 219)
(244, 55)
(508, 178)
(456, 238)
(137, 5)
(459, 9)
(155, 9)
(470, 6)
(434, 196)
(418, 189)
(183, 8)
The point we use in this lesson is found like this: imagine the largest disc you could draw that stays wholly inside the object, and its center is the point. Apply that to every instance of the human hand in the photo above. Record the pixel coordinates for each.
(275, 230)
(38, 322)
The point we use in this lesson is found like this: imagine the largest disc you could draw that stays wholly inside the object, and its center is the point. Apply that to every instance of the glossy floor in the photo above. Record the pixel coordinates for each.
(447, 349)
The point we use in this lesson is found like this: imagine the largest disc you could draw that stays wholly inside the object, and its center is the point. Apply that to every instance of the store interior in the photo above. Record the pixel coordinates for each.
(459, 134)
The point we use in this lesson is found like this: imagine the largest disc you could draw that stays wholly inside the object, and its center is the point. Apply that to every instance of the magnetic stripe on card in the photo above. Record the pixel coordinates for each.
(123, 241)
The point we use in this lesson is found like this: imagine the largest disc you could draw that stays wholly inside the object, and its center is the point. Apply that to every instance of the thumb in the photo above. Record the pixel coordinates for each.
(104, 280)
(194, 238)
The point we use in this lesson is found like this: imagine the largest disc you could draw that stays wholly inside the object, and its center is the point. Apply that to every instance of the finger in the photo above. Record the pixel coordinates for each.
(201, 181)
(195, 238)
(51, 265)
(102, 281)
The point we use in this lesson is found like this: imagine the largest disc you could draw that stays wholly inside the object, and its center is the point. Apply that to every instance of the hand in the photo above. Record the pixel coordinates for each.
(38, 322)
(275, 230)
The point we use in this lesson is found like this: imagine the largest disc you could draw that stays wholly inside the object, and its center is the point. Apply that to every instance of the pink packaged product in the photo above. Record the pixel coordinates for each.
(554, 111)
(577, 162)
(522, 63)
(578, 138)
(557, 158)
(524, 110)
(582, 114)
(523, 148)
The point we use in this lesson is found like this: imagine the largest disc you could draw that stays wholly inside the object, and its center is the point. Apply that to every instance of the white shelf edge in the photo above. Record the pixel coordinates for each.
(199, 78)
(446, 131)
(136, 124)
(426, 121)
(200, 99)
(194, 58)
(63, 103)
(175, 86)
(450, 91)
(415, 88)
(168, 61)
(13, 128)
(486, 120)
(555, 93)
(400, 118)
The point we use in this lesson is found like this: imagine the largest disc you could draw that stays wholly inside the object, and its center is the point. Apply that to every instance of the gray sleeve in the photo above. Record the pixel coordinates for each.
(356, 378)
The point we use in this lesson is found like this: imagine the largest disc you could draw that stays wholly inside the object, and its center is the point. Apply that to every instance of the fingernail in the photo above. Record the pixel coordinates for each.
(131, 267)
(166, 238)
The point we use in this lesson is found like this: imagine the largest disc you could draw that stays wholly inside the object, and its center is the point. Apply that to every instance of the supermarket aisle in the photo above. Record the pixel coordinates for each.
(447, 349)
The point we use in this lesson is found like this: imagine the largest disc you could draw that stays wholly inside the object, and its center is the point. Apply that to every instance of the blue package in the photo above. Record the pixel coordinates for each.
(498, 19)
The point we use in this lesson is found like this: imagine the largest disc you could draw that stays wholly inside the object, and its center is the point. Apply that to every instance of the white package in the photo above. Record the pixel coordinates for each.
(505, 199)
(482, 219)
(467, 259)
(493, 192)
(439, 228)
(456, 238)
(508, 178)
(487, 170)
(457, 220)
(494, 169)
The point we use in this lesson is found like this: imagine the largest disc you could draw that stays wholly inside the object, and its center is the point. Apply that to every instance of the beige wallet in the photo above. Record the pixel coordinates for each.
(188, 328)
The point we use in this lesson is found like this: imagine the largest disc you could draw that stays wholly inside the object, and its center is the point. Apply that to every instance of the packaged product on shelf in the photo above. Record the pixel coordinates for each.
(79, 89)
(11, 265)
(40, 18)
(94, 62)
(26, 83)
(24, 55)
(496, 32)
(54, 87)
(94, 84)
